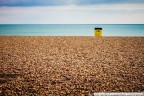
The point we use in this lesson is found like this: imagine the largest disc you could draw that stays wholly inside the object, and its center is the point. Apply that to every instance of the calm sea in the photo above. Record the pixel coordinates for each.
(71, 29)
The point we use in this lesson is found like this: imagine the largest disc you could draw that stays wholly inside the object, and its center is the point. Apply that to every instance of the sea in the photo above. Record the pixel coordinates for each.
(70, 29)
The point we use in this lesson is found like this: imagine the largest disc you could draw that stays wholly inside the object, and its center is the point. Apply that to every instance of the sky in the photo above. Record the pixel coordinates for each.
(71, 11)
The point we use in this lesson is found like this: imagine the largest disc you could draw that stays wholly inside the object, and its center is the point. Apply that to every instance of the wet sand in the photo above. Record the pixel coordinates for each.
(75, 66)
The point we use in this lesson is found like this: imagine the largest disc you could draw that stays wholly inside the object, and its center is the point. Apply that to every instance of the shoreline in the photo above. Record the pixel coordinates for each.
(61, 36)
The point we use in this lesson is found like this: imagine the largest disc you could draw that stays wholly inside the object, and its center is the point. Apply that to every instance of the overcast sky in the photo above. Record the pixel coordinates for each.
(71, 11)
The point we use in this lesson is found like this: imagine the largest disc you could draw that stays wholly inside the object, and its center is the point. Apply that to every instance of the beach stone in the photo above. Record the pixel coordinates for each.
(74, 66)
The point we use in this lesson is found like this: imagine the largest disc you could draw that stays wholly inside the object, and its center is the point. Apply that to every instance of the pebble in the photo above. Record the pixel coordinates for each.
(71, 65)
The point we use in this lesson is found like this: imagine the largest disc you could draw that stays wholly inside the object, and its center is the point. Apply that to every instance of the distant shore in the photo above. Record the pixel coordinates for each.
(73, 65)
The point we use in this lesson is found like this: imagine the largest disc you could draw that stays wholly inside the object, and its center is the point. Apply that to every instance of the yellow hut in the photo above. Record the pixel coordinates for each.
(98, 31)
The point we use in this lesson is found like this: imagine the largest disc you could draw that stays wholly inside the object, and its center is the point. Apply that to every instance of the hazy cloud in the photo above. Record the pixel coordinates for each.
(64, 2)
(96, 14)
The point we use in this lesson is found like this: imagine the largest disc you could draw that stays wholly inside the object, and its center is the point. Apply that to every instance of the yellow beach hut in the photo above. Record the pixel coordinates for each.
(98, 31)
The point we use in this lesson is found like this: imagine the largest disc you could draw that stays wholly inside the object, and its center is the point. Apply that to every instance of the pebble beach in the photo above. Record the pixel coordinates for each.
(70, 66)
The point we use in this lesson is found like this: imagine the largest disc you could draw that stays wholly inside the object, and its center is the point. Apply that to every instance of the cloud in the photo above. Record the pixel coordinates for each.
(94, 14)
(64, 2)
